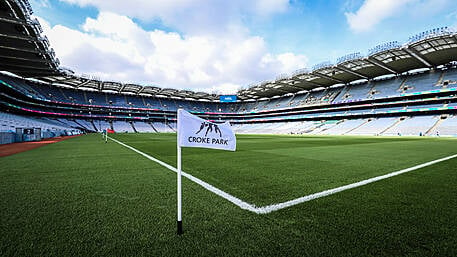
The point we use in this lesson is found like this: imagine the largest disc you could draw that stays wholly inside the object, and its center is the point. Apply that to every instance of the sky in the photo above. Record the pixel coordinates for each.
(221, 46)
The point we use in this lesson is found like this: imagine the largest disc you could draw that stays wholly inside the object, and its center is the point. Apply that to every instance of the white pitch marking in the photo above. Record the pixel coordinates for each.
(278, 206)
(217, 191)
(274, 207)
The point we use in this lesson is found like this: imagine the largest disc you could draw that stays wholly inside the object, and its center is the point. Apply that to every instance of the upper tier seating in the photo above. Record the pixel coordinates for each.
(395, 86)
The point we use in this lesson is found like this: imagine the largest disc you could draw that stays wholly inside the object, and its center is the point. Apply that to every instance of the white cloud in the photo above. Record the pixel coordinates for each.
(113, 47)
(372, 12)
(191, 16)
(223, 89)
(267, 7)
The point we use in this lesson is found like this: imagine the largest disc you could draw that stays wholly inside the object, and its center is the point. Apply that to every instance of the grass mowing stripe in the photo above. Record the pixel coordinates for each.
(275, 207)
(279, 206)
(238, 202)
(82, 197)
(278, 169)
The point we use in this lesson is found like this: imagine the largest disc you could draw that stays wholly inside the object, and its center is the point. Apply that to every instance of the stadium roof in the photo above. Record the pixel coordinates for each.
(426, 50)
(24, 52)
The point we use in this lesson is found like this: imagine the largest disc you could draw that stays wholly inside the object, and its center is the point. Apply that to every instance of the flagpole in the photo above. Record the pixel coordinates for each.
(179, 177)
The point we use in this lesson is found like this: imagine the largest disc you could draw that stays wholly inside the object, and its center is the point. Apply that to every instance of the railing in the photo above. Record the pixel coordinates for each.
(384, 47)
(25, 6)
(349, 57)
(322, 65)
(300, 72)
(430, 33)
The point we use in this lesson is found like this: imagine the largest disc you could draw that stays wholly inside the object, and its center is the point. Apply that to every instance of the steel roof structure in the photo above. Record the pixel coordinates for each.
(431, 49)
(24, 52)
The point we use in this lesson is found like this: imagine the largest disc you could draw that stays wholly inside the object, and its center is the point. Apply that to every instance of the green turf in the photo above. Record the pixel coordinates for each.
(270, 169)
(83, 197)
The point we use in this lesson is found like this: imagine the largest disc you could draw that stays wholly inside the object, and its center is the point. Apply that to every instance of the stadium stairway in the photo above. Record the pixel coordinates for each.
(312, 128)
(133, 127)
(331, 125)
(328, 125)
(446, 127)
(93, 125)
(153, 127)
(393, 125)
(400, 88)
(62, 123)
(437, 123)
(440, 80)
(172, 129)
(80, 125)
(352, 129)
(336, 124)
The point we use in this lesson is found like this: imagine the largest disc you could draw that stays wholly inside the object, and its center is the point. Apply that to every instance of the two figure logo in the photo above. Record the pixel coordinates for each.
(209, 128)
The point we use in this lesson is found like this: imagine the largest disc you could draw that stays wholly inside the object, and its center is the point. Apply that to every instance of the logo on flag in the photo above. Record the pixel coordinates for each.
(197, 132)
(209, 128)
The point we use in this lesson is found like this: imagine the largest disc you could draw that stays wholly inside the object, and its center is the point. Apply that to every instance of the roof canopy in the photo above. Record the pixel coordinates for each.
(431, 50)
(24, 52)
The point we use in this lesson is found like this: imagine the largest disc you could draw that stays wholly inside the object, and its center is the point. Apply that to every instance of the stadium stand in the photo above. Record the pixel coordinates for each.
(373, 126)
(122, 126)
(143, 127)
(343, 127)
(412, 126)
(447, 125)
(9, 123)
(407, 89)
(162, 127)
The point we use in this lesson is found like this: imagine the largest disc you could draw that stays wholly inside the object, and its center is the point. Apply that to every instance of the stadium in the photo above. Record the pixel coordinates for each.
(350, 158)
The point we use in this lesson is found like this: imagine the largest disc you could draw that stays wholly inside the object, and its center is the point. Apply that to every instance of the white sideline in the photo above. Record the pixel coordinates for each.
(217, 191)
(274, 207)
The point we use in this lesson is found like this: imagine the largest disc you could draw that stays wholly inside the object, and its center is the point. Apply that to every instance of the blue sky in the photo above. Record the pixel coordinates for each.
(219, 45)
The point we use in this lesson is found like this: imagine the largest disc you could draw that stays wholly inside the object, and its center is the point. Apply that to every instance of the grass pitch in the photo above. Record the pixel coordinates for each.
(85, 197)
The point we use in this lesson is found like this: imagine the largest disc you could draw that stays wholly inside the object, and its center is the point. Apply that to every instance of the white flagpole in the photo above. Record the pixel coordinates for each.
(179, 177)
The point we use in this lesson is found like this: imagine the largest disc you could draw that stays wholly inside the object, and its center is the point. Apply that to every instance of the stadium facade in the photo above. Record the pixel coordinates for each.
(397, 89)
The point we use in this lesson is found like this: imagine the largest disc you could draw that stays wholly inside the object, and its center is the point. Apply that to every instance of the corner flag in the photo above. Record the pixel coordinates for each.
(197, 132)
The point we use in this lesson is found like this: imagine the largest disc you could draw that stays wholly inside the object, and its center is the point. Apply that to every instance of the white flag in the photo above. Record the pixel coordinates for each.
(197, 132)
